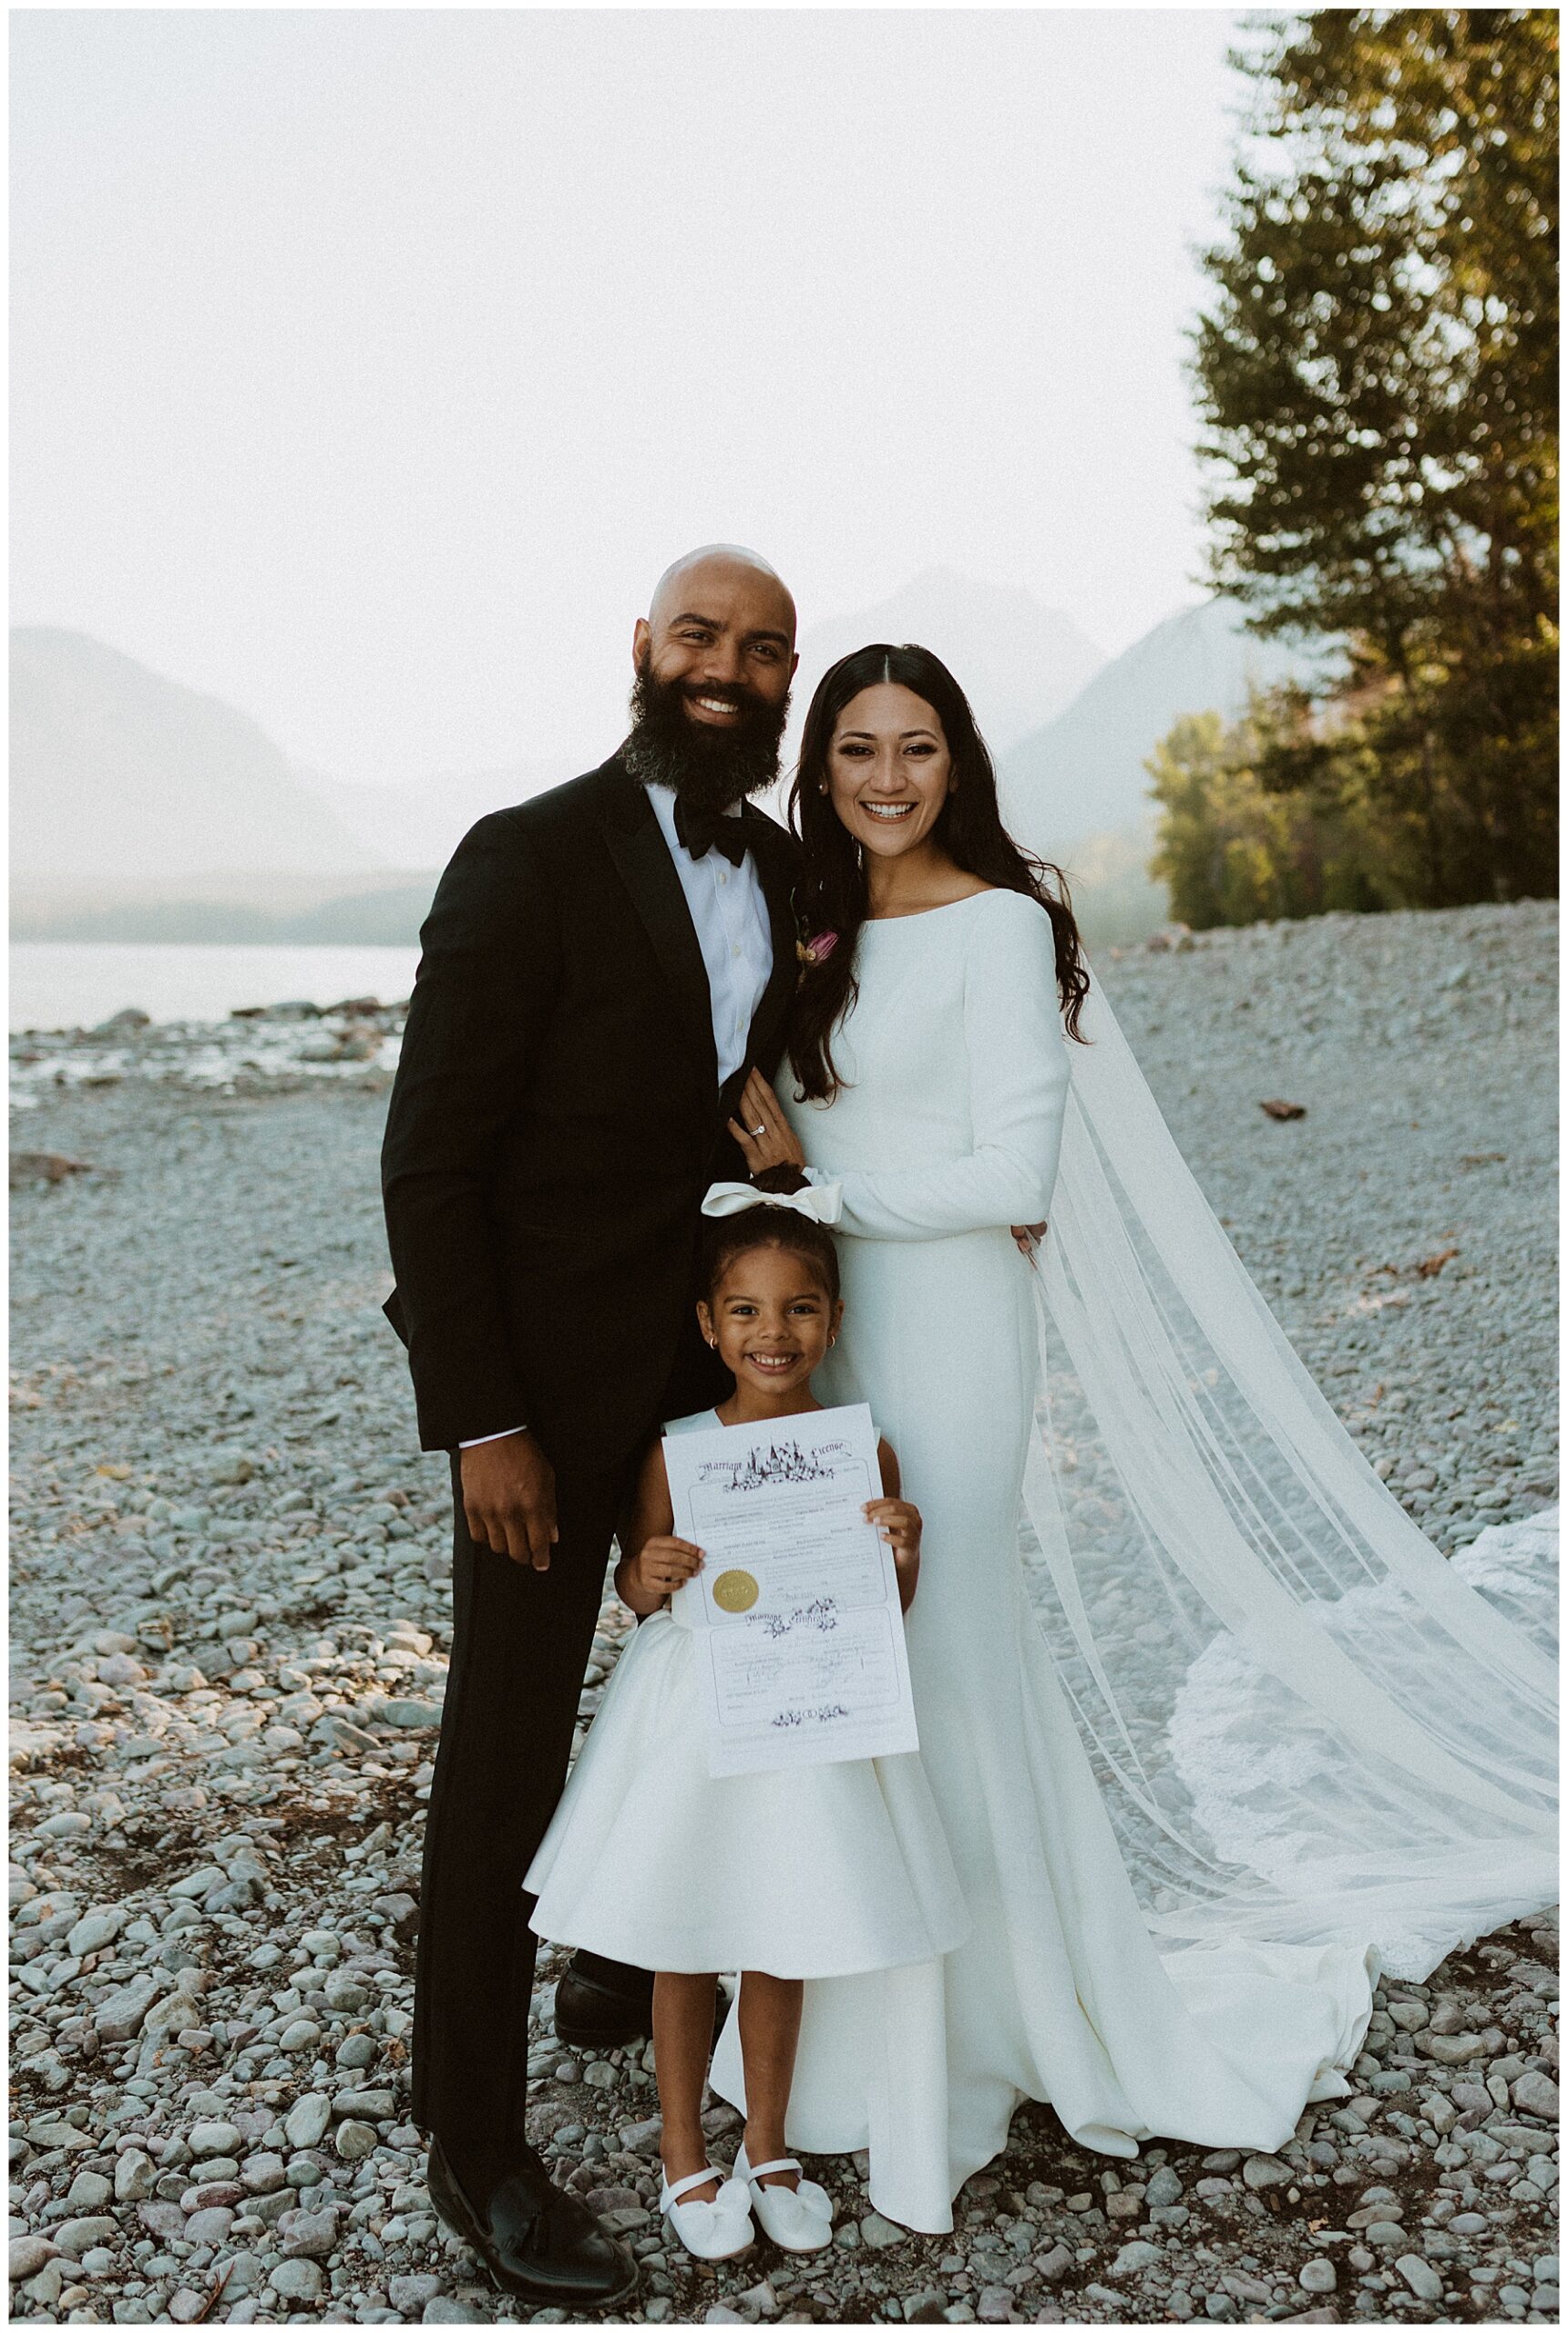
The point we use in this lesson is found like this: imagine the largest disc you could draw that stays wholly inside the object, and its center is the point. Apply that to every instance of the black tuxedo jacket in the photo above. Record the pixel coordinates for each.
(555, 1121)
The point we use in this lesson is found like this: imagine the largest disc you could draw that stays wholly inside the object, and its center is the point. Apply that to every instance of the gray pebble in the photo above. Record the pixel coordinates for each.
(121, 2015)
(1421, 2278)
(134, 2176)
(1537, 2094)
(297, 2280)
(93, 1932)
(366, 2105)
(28, 2255)
(209, 2226)
(308, 2119)
(78, 2235)
(1386, 2233)
(408, 2294)
(162, 2218)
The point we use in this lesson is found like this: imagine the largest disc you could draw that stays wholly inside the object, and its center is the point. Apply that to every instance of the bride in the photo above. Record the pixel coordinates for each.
(1212, 1729)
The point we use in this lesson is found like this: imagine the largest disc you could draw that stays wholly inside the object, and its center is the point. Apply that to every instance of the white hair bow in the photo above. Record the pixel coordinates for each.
(820, 1202)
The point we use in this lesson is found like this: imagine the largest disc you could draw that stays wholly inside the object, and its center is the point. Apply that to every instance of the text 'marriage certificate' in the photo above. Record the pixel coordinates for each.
(795, 1619)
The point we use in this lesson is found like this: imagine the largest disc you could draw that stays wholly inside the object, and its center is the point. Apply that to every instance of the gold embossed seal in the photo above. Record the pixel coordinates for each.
(735, 1592)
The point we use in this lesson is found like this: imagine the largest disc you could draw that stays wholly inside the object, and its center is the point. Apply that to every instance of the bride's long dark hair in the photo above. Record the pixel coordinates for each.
(969, 828)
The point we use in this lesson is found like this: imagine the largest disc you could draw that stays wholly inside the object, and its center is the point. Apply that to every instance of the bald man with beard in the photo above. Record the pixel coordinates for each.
(602, 968)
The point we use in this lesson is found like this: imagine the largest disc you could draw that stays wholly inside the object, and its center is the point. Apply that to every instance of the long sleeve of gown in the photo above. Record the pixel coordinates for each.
(1017, 1091)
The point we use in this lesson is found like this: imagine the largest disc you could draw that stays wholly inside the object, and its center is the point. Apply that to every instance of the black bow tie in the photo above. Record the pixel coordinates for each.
(700, 831)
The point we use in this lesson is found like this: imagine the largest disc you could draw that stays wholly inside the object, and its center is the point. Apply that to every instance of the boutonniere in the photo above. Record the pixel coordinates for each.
(810, 948)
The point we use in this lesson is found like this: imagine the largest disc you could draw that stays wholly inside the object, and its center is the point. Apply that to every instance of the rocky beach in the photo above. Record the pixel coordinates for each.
(230, 1626)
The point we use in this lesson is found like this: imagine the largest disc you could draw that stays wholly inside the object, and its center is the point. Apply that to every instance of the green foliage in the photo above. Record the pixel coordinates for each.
(1234, 851)
(1377, 378)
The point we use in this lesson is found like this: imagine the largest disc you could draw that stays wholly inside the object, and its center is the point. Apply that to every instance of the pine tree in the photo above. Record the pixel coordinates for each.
(1377, 377)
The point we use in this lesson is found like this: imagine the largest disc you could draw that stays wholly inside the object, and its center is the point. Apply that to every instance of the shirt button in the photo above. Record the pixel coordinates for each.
(734, 951)
(723, 878)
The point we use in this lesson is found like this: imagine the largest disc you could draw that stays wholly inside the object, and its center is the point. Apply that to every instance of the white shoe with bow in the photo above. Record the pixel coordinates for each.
(799, 2218)
(720, 2230)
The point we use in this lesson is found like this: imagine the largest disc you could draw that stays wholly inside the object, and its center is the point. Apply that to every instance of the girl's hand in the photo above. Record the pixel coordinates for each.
(898, 1521)
(1027, 1238)
(660, 1565)
(764, 1135)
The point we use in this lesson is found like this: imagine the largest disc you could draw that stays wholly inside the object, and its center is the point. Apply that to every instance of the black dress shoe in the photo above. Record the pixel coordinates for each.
(599, 2004)
(537, 2240)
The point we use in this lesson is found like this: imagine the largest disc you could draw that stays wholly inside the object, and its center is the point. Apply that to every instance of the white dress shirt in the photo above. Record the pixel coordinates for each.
(729, 916)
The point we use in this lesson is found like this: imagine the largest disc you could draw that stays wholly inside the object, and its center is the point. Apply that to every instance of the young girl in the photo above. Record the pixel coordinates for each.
(821, 1871)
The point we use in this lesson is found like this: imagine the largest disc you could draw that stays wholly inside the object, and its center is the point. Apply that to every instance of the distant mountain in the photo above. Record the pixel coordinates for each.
(118, 773)
(1018, 662)
(1083, 774)
(143, 810)
(389, 917)
(421, 826)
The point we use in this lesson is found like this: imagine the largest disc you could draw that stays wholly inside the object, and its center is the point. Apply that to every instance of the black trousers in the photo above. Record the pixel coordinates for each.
(522, 1640)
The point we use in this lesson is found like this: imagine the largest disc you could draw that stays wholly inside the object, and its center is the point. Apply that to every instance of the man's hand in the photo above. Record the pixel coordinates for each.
(509, 1498)
(1027, 1238)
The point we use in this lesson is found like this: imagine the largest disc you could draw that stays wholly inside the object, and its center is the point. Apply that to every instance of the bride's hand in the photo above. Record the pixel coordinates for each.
(764, 1135)
(900, 1524)
(1027, 1238)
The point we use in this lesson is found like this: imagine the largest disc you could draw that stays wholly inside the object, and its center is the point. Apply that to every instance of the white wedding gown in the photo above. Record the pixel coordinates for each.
(947, 1130)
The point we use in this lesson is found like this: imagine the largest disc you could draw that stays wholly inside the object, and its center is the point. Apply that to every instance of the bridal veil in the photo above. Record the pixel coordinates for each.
(1308, 1725)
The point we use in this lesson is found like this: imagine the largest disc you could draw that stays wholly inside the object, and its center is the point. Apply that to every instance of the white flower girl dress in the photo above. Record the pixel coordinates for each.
(822, 1871)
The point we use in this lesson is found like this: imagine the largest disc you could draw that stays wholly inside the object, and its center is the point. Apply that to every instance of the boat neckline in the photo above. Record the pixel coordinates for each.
(919, 915)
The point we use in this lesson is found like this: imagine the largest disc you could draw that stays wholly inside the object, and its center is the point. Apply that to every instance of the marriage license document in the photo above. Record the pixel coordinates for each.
(795, 1618)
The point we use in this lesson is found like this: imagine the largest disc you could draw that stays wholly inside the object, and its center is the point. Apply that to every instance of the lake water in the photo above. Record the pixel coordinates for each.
(70, 985)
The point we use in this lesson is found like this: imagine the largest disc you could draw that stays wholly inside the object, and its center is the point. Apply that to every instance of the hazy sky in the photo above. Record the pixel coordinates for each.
(367, 367)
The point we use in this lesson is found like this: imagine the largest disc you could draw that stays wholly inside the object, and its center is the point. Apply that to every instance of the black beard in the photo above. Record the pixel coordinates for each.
(711, 770)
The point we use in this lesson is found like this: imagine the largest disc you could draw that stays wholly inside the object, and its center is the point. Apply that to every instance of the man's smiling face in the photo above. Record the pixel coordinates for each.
(715, 657)
(722, 629)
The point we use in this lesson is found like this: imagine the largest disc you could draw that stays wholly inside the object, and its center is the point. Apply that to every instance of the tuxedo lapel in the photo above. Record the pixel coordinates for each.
(774, 851)
(643, 857)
